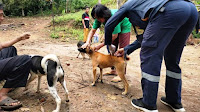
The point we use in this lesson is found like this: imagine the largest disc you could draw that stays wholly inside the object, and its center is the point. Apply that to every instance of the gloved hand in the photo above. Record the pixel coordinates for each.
(111, 49)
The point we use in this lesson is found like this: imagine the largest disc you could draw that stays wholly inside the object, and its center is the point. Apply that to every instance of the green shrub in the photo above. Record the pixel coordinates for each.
(54, 35)
(75, 17)
(195, 35)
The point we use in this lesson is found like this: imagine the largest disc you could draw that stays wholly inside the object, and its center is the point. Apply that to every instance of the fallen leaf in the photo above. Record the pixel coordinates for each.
(42, 109)
(25, 109)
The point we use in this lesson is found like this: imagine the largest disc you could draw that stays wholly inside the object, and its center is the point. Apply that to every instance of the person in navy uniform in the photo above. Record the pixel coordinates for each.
(169, 23)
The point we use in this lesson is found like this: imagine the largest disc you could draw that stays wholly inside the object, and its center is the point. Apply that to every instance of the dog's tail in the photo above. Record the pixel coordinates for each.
(52, 57)
(127, 58)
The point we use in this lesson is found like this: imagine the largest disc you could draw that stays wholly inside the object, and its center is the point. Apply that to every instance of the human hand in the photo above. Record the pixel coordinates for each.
(24, 37)
(85, 45)
(120, 52)
(96, 48)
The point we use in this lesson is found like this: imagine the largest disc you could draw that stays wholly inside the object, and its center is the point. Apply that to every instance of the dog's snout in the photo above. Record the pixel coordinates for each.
(81, 50)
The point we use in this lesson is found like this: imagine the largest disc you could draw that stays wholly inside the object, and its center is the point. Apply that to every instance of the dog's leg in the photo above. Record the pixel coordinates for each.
(121, 73)
(39, 81)
(63, 83)
(54, 93)
(83, 55)
(31, 78)
(94, 75)
(78, 54)
(101, 75)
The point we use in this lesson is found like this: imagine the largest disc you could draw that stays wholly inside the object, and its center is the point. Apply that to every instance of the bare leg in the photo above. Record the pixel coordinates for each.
(3, 95)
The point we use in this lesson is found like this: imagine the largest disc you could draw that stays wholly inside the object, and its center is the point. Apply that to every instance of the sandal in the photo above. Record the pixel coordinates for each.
(6, 104)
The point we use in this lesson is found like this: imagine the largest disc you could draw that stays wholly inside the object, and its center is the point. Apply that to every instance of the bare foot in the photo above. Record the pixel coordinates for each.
(3, 96)
(116, 79)
(112, 72)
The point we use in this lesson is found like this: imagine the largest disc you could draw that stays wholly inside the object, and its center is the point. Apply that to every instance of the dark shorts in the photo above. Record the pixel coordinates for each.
(14, 69)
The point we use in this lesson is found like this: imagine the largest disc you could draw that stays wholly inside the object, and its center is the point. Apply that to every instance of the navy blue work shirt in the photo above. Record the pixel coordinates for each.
(136, 11)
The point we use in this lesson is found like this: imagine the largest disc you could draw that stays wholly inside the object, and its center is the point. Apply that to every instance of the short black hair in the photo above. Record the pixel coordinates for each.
(101, 11)
(1, 6)
(87, 7)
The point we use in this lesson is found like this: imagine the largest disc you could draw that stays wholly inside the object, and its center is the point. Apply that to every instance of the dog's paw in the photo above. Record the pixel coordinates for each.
(93, 84)
(124, 93)
(55, 111)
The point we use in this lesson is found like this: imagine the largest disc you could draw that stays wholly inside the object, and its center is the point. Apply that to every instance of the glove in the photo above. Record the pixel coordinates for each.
(111, 49)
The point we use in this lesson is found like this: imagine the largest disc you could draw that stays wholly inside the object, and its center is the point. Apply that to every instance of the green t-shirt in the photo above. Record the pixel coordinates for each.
(123, 27)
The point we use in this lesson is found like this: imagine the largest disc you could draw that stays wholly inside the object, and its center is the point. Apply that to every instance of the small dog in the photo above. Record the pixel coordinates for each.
(79, 45)
(49, 65)
(103, 61)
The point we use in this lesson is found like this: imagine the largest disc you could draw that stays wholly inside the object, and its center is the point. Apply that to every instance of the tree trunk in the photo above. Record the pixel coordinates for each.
(118, 4)
(99, 1)
(52, 5)
(23, 12)
(66, 7)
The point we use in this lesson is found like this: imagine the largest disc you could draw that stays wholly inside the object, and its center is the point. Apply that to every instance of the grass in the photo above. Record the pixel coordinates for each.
(69, 26)
(195, 35)
(67, 33)
(54, 35)
(77, 17)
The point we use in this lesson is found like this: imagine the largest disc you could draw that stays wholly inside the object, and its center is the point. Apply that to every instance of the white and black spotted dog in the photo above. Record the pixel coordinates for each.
(49, 65)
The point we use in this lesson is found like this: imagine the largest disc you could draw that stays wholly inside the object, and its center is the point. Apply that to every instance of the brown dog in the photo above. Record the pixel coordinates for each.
(104, 61)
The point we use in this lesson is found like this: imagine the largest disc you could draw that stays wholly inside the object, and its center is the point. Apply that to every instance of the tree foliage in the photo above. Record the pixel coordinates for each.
(29, 7)
(34, 7)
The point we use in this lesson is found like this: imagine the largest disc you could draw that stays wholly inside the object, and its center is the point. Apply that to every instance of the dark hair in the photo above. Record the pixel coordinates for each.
(87, 7)
(1, 6)
(101, 11)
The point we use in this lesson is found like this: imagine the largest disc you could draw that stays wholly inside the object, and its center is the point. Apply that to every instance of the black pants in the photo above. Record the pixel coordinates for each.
(14, 69)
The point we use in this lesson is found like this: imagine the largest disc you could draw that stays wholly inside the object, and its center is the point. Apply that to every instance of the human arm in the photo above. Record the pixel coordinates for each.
(12, 42)
(83, 23)
(89, 38)
(128, 49)
(114, 36)
(83, 17)
(90, 25)
(112, 23)
(95, 26)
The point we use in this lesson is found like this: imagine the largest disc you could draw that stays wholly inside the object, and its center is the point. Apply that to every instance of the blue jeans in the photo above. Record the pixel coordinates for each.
(96, 39)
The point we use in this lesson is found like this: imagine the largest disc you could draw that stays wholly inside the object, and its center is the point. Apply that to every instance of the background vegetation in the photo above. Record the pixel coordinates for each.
(67, 21)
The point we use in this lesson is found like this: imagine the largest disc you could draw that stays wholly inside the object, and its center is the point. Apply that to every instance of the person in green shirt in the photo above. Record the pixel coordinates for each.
(120, 35)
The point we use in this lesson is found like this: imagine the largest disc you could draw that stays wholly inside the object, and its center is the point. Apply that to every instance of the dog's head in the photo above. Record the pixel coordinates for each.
(87, 50)
(80, 43)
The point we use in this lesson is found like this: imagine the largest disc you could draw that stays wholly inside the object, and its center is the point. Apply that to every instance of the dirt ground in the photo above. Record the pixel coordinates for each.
(104, 97)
